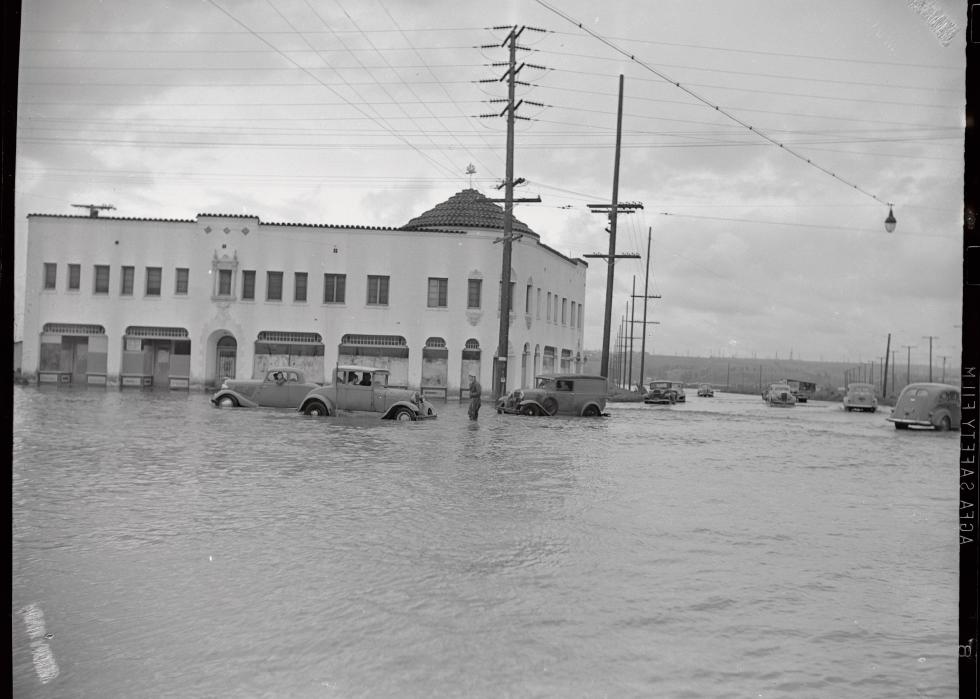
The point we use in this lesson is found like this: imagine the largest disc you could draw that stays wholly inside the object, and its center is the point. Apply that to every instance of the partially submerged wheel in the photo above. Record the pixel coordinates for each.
(315, 407)
(227, 402)
(944, 424)
(901, 426)
(403, 415)
(591, 411)
(529, 410)
(550, 405)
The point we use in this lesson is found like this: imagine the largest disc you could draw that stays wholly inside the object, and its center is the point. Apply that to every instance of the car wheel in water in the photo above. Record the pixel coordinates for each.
(550, 405)
(590, 411)
(529, 410)
(901, 426)
(403, 415)
(315, 408)
(227, 402)
(944, 424)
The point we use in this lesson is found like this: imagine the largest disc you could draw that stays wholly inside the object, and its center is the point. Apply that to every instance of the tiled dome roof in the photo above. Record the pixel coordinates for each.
(466, 209)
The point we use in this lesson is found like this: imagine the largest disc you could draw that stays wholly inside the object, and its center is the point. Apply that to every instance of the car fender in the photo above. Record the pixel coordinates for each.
(242, 401)
(590, 404)
(312, 396)
(529, 402)
(401, 404)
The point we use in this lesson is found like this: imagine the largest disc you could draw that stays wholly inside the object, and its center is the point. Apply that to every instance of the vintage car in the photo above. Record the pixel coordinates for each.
(935, 405)
(780, 395)
(280, 388)
(860, 396)
(358, 388)
(558, 394)
(706, 391)
(660, 392)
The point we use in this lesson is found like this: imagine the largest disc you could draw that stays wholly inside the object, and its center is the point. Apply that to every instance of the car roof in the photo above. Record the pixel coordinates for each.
(938, 386)
(358, 367)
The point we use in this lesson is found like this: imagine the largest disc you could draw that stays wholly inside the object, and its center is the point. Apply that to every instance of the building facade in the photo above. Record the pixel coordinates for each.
(182, 303)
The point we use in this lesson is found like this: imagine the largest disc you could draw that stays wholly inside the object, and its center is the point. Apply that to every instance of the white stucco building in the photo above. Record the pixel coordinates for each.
(180, 303)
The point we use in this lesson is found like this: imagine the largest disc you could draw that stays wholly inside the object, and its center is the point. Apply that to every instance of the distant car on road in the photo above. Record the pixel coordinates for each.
(559, 394)
(706, 391)
(660, 392)
(935, 405)
(283, 387)
(780, 395)
(860, 396)
(357, 388)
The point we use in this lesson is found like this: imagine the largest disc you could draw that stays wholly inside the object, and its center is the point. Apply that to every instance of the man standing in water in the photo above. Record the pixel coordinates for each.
(475, 390)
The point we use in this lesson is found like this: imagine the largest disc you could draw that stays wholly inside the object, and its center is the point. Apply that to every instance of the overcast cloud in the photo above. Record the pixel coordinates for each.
(365, 113)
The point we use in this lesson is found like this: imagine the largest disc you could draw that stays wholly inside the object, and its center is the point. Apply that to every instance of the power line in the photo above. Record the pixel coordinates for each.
(717, 108)
(728, 49)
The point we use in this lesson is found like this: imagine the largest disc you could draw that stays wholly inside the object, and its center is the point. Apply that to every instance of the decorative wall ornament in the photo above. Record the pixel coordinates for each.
(527, 321)
(473, 317)
(207, 229)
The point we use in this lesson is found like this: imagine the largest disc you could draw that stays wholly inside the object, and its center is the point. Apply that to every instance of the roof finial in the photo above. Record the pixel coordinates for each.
(470, 170)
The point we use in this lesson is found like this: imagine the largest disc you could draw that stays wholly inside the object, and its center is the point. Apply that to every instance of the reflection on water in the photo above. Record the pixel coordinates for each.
(181, 550)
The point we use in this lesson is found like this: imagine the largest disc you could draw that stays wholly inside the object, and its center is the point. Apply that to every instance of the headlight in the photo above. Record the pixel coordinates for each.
(416, 398)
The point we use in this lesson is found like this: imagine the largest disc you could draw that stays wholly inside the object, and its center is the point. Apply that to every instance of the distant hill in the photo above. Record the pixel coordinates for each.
(740, 375)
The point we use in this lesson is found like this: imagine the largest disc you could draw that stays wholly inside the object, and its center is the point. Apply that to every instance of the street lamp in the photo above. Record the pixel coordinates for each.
(890, 221)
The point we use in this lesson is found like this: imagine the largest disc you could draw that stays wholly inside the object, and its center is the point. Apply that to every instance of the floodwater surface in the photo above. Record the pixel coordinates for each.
(718, 548)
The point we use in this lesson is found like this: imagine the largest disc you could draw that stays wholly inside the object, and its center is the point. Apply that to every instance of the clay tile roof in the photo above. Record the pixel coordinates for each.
(466, 209)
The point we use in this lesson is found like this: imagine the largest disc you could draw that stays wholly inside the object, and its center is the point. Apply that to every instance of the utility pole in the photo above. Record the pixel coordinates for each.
(613, 211)
(646, 295)
(629, 382)
(884, 376)
(908, 364)
(944, 358)
(500, 365)
(930, 338)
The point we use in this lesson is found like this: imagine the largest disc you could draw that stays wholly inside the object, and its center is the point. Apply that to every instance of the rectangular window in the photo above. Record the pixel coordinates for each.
(537, 312)
(564, 311)
(474, 289)
(248, 284)
(102, 279)
(377, 292)
(547, 308)
(126, 281)
(438, 291)
(74, 277)
(273, 290)
(224, 282)
(334, 288)
(180, 283)
(299, 286)
(527, 300)
(572, 316)
(153, 277)
(50, 275)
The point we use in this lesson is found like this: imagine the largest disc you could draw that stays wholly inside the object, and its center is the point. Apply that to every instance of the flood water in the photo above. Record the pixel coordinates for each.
(722, 548)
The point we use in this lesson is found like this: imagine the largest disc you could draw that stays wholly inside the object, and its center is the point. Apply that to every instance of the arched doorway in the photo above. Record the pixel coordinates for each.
(226, 357)
(470, 365)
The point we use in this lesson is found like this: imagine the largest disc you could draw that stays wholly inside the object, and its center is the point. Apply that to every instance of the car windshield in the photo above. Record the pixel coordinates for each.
(660, 384)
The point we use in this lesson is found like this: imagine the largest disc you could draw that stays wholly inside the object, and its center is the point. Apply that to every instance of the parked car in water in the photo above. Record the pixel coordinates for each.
(283, 387)
(559, 394)
(935, 405)
(860, 396)
(660, 392)
(706, 391)
(780, 395)
(358, 388)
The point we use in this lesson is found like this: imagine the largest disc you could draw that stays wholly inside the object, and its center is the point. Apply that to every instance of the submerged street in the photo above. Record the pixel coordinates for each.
(163, 547)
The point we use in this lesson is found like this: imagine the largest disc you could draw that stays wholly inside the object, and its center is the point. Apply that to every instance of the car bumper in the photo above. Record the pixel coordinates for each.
(910, 422)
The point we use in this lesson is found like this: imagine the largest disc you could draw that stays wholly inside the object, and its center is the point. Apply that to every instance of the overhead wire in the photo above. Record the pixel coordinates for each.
(717, 108)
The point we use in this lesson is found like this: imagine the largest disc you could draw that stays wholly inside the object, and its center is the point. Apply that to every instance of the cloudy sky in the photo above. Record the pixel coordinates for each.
(368, 113)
